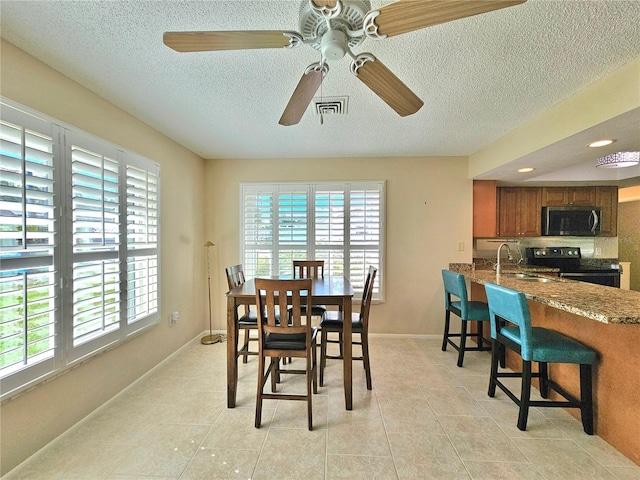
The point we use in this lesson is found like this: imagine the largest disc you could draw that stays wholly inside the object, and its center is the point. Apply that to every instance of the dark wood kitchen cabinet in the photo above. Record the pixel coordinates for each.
(607, 199)
(519, 211)
(560, 196)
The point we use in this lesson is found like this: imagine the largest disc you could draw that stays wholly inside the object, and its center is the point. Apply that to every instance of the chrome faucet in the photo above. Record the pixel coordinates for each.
(498, 265)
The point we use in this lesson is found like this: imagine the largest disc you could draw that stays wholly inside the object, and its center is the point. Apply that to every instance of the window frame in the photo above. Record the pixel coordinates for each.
(311, 247)
(25, 374)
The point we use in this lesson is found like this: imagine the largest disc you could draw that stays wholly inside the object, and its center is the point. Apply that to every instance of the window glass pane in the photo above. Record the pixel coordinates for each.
(365, 217)
(329, 208)
(292, 218)
(142, 209)
(95, 192)
(142, 287)
(96, 299)
(27, 318)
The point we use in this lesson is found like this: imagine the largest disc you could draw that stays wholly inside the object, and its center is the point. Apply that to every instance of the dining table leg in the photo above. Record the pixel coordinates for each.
(347, 352)
(232, 358)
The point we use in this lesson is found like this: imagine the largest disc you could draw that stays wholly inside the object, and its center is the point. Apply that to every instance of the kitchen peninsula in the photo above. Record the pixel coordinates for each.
(605, 319)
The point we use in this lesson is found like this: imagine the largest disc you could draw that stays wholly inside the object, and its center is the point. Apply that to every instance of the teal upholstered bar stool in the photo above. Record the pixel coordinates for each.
(536, 344)
(467, 310)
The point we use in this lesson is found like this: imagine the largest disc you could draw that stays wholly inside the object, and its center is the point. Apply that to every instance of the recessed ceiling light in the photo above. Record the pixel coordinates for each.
(525, 170)
(601, 143)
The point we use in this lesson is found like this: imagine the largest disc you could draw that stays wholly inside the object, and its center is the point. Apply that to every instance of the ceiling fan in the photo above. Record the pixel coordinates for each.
(335, 28)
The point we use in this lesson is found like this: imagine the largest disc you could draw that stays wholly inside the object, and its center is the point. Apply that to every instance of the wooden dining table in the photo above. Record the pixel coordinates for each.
(328, 290)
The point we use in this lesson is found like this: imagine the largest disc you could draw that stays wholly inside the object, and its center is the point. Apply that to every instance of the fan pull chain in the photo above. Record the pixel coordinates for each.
(321, 82)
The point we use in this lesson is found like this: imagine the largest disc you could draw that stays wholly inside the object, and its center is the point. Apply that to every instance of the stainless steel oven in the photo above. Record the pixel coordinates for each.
(568, 261)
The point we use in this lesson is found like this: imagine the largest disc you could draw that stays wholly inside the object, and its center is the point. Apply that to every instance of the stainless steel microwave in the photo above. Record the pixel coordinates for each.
(577, 221)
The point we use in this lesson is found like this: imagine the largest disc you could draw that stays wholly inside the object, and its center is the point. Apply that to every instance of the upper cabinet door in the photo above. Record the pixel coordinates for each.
(607, 199)
(520, 212)
(560, 196)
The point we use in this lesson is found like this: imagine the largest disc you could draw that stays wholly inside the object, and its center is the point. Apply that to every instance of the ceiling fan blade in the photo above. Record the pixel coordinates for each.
(325, 3)
(408, 15)
(229, 40)
(303, 94)
(385, 84)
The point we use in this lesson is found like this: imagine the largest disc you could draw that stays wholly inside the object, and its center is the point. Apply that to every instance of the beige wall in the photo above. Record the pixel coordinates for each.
(428, 212)
(36, 417)
(606, 98)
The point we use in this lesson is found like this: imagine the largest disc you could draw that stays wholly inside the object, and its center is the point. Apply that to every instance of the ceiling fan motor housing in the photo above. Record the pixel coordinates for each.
(334, 42)
(334, 45)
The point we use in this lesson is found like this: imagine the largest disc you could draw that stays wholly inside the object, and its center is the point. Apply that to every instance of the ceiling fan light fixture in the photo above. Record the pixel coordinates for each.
(619, 160)
(601, 143)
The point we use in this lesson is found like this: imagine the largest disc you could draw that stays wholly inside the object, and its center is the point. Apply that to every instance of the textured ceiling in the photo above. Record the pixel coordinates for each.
(479, 77)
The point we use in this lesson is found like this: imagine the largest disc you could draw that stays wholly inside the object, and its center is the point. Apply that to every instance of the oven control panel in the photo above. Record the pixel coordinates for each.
(555, 252)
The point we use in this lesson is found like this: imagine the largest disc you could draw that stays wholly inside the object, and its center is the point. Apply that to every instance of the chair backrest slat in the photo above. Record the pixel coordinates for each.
(308, 268)
(235, 276)
(272, 293)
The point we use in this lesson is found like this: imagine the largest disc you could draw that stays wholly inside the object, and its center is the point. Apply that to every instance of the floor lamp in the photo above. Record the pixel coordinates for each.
(212, 337)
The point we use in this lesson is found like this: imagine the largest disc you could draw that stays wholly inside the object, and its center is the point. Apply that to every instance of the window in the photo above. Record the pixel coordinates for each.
(342, 224)
(78, 246)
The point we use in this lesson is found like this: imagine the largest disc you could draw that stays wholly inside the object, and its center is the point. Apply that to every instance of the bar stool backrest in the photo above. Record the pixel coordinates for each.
(455, 285)
(508, 304)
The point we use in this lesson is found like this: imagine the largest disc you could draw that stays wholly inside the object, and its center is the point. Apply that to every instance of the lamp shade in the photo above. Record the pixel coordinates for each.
(619, 160)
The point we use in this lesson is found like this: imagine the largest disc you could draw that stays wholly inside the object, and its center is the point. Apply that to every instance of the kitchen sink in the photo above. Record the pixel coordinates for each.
(528, 277)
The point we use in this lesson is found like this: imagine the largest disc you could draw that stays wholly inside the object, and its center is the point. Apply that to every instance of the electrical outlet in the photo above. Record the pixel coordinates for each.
(173, 319)
(598, 251)
(461, 246)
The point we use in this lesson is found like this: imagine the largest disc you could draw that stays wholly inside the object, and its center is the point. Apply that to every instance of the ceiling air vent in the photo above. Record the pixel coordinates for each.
(330, 105)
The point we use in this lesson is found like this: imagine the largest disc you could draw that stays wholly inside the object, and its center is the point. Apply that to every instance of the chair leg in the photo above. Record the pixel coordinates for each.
(495, 352)
(314, 367)
(275, 373)
(323, 355)
(245, 348)
(525, 395)
(445, 335)
(261, 382)
(463, 342)
(308, 376)
(586, 398)
(364, 338)
(544, 379)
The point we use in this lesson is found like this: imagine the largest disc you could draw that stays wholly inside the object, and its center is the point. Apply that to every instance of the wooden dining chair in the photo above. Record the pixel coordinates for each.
(310, 269)
(279, 339)
(248, 321)
(333, 321)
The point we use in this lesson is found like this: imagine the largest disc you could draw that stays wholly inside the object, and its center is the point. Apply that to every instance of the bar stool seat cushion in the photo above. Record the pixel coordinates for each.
(333, 320)
(277, 341)
(552, 347)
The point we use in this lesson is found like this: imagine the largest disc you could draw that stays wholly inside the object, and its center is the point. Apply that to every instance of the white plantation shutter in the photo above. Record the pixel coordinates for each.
(79, 253)
(340, 223)
(330, 228)
(95, 171)
(28, 279)
(258, 231)
(292, 216)
(365, 232)
(142, 243)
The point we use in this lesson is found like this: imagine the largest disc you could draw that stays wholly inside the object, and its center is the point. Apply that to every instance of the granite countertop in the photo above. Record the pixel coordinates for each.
(597, 302)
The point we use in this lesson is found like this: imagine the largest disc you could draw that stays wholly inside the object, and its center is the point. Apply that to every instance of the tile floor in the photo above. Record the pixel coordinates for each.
(425, 418)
